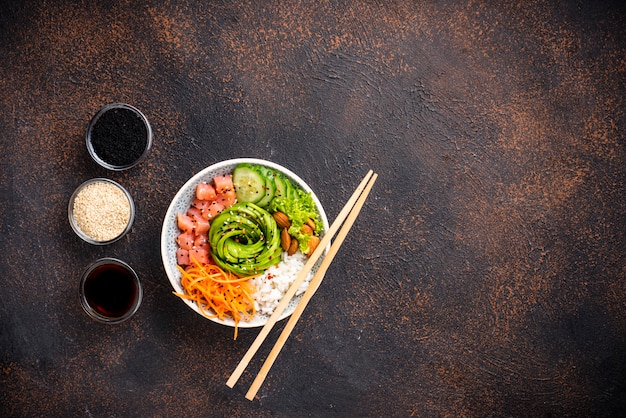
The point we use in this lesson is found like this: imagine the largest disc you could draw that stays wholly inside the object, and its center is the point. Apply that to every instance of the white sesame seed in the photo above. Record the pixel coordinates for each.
(101, 211)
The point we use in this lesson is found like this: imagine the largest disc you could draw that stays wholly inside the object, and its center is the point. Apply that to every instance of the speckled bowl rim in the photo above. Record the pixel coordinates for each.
(97, 116)
(182, 200)
(72, 220)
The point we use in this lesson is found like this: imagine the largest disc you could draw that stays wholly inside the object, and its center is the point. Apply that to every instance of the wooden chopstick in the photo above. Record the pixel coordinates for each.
(308, 294)
(332, 230)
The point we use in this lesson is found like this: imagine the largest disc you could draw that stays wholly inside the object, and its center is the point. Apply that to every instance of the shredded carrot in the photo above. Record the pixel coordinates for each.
(218, 293)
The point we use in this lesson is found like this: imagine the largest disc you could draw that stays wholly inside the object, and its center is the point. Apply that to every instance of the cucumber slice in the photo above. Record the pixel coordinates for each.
(281, 185)
(270, 186)
(249, 184)
(291, 192)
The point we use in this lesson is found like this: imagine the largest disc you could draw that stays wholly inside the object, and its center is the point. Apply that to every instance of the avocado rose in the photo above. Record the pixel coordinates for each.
(245, 239)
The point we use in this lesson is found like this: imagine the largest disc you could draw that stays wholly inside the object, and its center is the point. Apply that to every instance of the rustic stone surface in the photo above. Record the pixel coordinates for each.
(485, 277)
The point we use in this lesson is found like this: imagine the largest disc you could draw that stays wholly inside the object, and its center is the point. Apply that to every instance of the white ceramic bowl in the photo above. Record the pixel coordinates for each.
(182, 201)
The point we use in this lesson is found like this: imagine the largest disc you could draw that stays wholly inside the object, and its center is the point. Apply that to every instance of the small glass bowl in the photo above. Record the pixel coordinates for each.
(94, 120)
(74, 224)
(110, 291)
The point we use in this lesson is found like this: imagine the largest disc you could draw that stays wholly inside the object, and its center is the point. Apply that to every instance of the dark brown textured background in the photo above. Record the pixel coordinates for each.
(486, 275)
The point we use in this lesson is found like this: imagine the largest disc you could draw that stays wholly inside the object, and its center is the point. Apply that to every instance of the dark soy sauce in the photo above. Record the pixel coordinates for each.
(111, 290)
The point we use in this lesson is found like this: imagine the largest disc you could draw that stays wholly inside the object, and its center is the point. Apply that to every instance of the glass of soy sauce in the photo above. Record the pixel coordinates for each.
(110, 291)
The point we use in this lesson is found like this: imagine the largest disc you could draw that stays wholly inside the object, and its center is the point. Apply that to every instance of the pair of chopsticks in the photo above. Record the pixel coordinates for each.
(348, 214)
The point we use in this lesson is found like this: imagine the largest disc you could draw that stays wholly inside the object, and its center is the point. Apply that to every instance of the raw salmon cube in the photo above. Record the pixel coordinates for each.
(194, 212)
(201, 204)
(205, 191)
(186, 240)
(228, 198)
(200, 240)
(185, 223)
(201, 255)
(214, 209)
(223, 183)
(202, 225)
(198, 221)
(182, 257)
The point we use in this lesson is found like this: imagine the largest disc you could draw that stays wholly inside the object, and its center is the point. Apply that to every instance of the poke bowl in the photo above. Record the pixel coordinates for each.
(268, 282)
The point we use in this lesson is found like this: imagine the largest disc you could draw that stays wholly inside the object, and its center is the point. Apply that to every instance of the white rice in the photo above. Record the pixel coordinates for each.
(274, 283)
